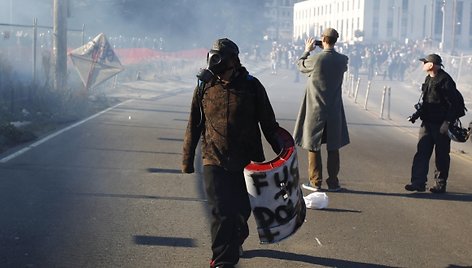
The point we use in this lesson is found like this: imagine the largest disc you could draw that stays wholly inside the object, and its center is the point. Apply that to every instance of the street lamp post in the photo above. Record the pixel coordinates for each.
(431, 35)
(443, 31)
(454, 24)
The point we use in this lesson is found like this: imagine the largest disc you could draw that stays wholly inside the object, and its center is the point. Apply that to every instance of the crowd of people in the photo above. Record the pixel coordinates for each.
(387, 61)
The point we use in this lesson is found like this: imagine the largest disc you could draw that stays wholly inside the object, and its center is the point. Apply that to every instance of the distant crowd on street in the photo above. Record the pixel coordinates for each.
(387, 61)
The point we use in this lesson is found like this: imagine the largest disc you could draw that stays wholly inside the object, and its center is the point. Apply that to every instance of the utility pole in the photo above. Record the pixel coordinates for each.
(431, 35)
(454, 24)
(59, 49)
(35, 39)
(443, 32)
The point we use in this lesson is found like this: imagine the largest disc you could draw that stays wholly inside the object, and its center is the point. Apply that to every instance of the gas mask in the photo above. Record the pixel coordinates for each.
(217, 64)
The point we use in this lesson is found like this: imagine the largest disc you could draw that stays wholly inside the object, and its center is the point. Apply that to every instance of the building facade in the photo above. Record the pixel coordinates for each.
(445, 23)
(279, 13)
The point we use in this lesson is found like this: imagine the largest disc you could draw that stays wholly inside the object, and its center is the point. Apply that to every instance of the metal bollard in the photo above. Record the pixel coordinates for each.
(115, 81)
(357, 89)
(367, 95)
(351, 88)
(382, 104)
(346, 82)
(347, 75)
(389, 102)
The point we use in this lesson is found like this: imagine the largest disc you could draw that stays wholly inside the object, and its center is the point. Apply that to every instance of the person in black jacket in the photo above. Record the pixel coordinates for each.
(437, 114)
(227, 109)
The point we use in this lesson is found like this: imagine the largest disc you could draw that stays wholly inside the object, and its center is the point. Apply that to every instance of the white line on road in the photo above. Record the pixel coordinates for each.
(24, 150)
(317, 240)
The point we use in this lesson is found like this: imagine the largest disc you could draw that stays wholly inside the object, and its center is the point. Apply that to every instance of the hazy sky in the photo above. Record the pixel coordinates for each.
(183, 22)
(23, 11)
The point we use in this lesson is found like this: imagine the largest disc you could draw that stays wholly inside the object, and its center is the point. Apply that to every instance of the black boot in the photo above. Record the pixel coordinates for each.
(412, 187)
(438, 188)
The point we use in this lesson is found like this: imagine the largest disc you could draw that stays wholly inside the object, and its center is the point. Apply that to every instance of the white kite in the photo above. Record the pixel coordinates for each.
(96, 61)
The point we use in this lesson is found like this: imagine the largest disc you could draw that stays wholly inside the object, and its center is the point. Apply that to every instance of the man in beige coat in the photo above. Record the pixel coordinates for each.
(321, 118)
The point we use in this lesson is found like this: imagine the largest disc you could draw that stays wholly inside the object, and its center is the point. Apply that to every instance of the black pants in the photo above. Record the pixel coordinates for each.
(230, 209)
(429, 139)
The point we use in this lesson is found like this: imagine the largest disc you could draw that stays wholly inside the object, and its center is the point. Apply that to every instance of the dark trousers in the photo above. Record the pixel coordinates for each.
(429, 139)
(230, 209)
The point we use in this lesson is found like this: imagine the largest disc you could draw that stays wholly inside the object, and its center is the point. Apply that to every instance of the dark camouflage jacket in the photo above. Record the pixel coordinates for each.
(227, 118)
(438, 98)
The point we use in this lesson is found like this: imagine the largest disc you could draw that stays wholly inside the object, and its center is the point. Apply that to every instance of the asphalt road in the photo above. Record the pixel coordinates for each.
(108, 192)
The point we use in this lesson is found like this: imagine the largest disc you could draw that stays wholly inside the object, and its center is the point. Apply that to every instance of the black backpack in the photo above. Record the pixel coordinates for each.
(459, 105)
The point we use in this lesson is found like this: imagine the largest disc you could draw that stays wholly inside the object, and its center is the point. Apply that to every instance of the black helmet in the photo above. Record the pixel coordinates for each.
(225, 46)
(457, 133)
(222, 51)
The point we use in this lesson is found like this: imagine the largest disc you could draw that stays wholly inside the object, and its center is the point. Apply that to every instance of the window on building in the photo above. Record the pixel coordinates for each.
(352, 27)
(390, 21)
(375, 27)
(404, 18)
(347, 26)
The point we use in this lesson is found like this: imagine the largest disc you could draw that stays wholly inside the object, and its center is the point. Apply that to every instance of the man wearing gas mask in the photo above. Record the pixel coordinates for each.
(227, 108)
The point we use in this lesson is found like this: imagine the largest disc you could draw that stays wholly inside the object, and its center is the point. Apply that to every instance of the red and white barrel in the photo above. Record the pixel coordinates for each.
(276, 198)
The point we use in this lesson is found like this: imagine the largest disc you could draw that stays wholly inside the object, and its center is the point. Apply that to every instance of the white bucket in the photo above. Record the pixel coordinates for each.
(274, 192)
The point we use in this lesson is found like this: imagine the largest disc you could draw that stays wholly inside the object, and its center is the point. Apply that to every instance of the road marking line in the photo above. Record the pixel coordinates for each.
(29, 147)
(317, 240)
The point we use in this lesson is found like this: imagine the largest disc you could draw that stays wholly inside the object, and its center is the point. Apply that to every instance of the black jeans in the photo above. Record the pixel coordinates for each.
(230, 209)
(429, 139)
